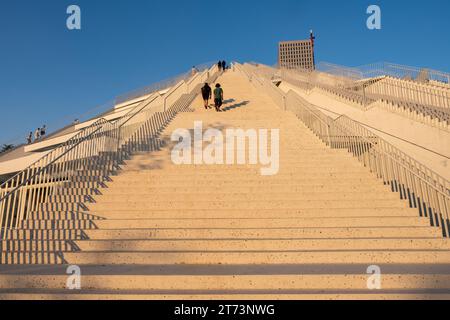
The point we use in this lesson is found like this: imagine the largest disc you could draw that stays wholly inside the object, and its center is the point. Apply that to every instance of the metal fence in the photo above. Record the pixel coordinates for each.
(420, 186)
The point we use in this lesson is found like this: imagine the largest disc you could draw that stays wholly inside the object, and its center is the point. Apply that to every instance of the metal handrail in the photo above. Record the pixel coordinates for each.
(96, 123)
(423, 188)
(75, 138)
(161, 85)
(171, 92)
(40, 170)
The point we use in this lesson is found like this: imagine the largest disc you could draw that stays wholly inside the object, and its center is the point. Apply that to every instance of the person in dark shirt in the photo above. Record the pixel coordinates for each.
(206, 94)
(219, 65)
(224, 65)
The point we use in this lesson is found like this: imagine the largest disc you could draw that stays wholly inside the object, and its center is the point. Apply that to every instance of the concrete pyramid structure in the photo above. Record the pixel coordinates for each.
(156, 230)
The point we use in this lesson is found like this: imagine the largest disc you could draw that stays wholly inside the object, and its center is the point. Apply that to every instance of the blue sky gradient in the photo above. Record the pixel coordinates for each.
(51, 75)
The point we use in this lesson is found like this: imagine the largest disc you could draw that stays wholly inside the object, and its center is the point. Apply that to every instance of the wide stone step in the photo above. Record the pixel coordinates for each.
(388, 201)
(233, 197)
(396, 232)
(298, 151)
(203, 284)
(369, 187)
(227, 169)
(266, 257)
(243, 205)
(285, 141)
(232, 214)
(319, 152)
(292, 164)
(63, 294)
(254, 182)
(217, 245)
(263, 245)
(227, 223)
(188, 174)
(297, 157)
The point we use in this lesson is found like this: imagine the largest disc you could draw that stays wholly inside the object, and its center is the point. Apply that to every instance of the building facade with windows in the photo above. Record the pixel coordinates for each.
(296, 54)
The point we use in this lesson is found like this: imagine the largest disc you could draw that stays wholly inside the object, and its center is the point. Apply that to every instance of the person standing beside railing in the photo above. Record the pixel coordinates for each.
(30, 138)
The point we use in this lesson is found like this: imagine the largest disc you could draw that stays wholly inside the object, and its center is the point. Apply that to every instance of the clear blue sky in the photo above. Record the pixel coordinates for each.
(48, 73)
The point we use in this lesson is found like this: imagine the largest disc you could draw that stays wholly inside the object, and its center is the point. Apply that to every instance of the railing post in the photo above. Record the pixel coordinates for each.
(364, 95)
(118, 138)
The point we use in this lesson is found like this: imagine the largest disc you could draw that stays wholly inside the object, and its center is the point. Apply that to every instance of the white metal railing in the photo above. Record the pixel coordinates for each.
(384, 83)
(422, 187)
(410, 91)
(382, 69)
(421, 102)
(340, 71)
(96, 148)
(404, 72)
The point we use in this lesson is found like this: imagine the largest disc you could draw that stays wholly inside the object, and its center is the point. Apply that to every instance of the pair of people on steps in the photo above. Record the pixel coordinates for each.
(222, 65)
(218, 96)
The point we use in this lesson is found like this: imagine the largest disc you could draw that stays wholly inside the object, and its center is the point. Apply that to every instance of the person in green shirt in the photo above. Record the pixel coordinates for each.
(218, 97)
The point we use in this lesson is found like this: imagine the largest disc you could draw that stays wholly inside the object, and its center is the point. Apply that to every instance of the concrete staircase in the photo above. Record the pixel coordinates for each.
(155, 230)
